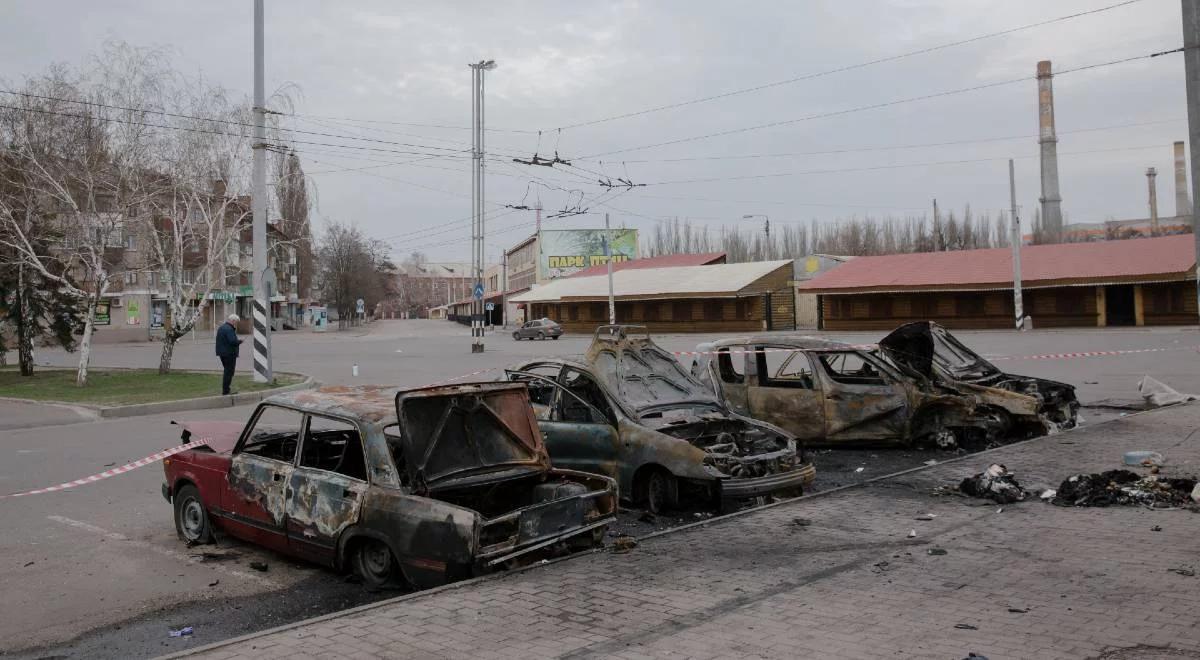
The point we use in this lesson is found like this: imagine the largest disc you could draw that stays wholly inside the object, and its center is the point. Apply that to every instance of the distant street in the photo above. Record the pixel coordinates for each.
(106, 555)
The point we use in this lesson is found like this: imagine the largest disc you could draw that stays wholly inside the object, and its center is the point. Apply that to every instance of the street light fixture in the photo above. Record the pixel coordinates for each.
(766, 227)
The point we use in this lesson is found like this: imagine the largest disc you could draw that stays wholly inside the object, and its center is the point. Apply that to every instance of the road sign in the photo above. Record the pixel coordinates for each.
(490, 307)
(361, 305)
(479, 291)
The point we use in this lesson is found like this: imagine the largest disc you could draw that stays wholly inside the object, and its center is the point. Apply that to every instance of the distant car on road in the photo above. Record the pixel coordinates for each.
(422, 486)
(632, 412)
(538, 329)
(920, 385)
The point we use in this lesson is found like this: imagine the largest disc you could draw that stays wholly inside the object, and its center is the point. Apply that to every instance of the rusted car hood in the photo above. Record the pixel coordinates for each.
(469, 434)
(644, 375)
(219, 436)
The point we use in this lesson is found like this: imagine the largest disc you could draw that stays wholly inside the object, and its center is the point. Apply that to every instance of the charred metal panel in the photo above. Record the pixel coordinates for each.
(256, 489)
(320, 506)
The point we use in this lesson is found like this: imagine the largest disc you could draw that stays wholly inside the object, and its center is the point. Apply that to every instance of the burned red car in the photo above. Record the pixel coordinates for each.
(420, 486)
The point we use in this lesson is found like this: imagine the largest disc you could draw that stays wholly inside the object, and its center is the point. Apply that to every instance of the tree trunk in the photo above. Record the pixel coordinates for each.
(24, 326)
(168, 351)
(85, 347)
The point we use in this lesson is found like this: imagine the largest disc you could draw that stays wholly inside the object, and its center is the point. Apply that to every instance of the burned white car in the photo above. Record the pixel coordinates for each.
(631, 411)
(920, 385)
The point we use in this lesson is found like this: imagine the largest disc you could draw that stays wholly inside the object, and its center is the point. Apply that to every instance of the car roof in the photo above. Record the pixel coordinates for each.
(374, 403)
(802, 342)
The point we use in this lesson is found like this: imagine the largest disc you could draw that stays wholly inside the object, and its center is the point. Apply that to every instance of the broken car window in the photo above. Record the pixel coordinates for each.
(394, 439)
(732, 366)
(581, 385)
(334, 446)
(779, 368)
(541, 393)
(275, 434)
(851, 368)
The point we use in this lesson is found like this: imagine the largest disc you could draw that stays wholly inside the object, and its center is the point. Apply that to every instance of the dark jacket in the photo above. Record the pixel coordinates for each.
(227, 341)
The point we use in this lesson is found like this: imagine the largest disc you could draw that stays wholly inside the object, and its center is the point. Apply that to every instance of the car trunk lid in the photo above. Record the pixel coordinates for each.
(642, 374)
(928, 349)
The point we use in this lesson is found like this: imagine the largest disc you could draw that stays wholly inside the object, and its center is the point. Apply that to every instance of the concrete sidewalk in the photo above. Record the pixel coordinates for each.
(837, 576)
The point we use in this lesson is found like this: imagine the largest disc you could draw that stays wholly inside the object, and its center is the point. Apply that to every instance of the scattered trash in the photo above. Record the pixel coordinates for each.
(995, 483)
(999, 509)
(932, 461)
(926, 516)
(881, 566)
(937, 552)
(1186, 572)
(260, 566)
(859, 469)
(966, 626)
(1091, 382)
(1143, 458)
(912, 533)
(28, 564)
(975, 656)
(1156, 528)
(623, 544)
(1196, 493)
(1122, 487)
(1048, 494)
(1018, 610)
(801, 522)
(1157, 393)
(182, 632)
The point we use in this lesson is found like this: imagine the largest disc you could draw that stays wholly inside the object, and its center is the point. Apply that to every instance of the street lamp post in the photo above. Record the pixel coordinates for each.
(477, 200)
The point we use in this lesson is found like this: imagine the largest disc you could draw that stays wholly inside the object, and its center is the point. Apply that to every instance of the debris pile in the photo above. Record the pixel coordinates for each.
(1122, 487)
(1158, 394)
(995, 483)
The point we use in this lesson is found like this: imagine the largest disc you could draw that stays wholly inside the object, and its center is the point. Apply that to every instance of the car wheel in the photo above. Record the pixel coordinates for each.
(516, 336)
(541, 336)
(191, 519)
(375, 564)
(662, 491)
(944, 439)
(555, 337)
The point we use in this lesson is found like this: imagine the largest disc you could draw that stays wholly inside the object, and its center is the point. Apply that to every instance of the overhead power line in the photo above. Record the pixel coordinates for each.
(419, 125)
(876, 106)
(851, 67)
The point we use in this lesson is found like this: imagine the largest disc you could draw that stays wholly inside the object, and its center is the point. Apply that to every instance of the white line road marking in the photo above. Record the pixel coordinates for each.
(117, 536)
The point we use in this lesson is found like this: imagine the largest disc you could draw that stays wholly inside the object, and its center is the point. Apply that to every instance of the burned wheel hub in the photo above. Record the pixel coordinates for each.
(192, 519)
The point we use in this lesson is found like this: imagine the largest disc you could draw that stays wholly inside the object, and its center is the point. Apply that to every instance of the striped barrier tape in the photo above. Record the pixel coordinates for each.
(1044, 356)
(154, 458)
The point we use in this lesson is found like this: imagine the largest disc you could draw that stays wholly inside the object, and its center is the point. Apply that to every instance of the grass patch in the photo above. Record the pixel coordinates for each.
(120, 387)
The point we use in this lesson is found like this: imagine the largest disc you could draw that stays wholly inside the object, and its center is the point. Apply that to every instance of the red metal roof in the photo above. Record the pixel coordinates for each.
(665, 261)
(1132, 260)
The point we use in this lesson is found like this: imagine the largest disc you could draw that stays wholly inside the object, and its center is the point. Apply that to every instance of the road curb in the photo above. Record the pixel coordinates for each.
(199, 403)
(701, 523)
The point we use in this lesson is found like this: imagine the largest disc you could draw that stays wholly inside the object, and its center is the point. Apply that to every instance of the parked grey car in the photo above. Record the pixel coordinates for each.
(538, 329)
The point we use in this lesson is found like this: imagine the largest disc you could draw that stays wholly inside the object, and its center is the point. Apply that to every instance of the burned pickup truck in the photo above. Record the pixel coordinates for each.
(421, 486)
(632, 412)
(920, 385)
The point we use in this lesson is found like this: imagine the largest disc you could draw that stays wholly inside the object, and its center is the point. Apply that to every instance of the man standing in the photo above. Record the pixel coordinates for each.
(227, 349)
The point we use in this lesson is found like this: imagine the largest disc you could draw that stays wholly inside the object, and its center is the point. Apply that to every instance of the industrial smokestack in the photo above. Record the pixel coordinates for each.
(1183, 205)
(1050, 199)
(1151, 174)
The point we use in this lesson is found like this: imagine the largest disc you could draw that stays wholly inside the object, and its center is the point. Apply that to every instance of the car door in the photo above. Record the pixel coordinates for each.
(541, 390)
(253, 502)
(529, 329)
(579, 436)
(782, 390)
(731, 377)
(864, 399)
(326, 489)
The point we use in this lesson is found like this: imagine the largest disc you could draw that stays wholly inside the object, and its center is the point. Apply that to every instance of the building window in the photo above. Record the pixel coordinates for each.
(741, 309)
(841, 308)
(923, 306)
(131, 277)
(1164, 300)
(713, 309)
(969, 305)
(596, 312)
(681, 310)
(131, 242)
(189, 277)
(624, 312)
(573, 312)
(879, 307)
(1070, 301)
(650, 311)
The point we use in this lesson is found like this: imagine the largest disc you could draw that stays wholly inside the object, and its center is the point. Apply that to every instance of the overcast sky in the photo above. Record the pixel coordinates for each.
(563, 63)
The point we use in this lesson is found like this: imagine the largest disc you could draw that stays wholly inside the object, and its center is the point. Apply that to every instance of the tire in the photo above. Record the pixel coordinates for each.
(661, 491)
(191, 518)
(555, 337)
(516, 336)
(374, 562)
(541, 336)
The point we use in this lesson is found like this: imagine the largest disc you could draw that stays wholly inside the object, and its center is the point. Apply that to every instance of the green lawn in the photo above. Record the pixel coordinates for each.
(123, 386)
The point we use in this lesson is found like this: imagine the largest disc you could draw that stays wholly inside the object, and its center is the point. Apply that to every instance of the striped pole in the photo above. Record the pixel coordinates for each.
(262, 343)
(262, 290)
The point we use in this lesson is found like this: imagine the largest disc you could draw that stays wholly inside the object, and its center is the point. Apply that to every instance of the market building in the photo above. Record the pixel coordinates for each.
(743, 297)
(1134, 282)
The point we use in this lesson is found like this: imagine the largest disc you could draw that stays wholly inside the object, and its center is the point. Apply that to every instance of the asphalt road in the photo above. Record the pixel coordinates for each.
(98, 570)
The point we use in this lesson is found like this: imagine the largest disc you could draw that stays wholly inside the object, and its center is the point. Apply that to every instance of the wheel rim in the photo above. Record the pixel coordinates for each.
(192, 519)
(656, 493)
(376, 560)
(541, 336)
(945, 439)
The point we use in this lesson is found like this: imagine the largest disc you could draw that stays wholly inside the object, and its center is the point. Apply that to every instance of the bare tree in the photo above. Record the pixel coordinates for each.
(352, 267)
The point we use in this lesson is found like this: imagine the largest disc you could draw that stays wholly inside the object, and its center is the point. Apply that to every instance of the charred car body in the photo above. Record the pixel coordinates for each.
(632, 412)
(920, 385)
(425, 485)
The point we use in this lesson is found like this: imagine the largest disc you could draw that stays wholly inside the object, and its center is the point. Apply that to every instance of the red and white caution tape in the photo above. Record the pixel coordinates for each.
(1088, 354)
(154, 458)
(141, 462)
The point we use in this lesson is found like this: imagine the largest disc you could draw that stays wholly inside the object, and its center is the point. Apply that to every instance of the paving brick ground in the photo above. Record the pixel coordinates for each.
(1031, 581)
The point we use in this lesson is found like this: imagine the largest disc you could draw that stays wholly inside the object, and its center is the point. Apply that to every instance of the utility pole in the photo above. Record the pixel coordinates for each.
(1191, 68)
(504, 290)
(937, 228)
(477, 200)
(1151, 183)
(612, 306)
(262, 278)
(1018, 305)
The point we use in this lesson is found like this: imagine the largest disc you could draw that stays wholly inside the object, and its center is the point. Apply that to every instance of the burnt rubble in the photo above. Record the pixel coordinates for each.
(995, 483)
(1124, 488)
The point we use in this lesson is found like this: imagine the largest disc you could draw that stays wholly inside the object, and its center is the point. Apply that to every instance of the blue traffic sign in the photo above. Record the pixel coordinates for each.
(478, 291)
